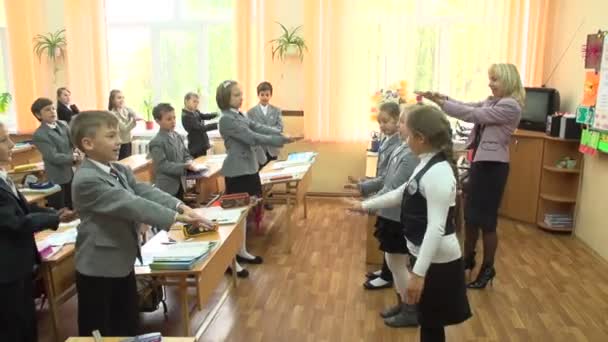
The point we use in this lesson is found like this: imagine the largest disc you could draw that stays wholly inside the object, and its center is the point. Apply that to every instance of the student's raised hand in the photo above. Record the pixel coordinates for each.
(291, 139)
(415, 285)
(354, 206)
(353, 189)
(353, 180)
(190, 166)
(433, 96)
(194, 219)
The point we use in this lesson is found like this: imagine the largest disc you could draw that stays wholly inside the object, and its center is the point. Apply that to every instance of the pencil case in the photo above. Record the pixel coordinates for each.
(235, 200)
(191, 231)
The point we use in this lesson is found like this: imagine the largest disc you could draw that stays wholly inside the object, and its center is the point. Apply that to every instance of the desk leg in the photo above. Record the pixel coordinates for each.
(305, 206)
(183, 294)
(48, 281)
(235, 279)
(288, 223)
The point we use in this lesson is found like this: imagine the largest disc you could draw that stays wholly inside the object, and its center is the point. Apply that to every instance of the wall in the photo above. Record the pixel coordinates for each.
(568, 78)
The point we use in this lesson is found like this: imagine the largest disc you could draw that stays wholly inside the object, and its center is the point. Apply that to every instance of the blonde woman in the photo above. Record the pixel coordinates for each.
(495, 120)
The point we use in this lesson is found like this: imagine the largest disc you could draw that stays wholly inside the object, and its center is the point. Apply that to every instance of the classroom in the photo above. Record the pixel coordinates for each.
(303, 170)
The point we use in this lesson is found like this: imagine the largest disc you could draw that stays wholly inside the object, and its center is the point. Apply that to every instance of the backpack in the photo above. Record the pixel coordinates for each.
(150, 295)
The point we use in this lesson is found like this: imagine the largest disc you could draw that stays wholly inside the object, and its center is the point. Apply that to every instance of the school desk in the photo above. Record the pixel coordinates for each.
(40, 198)
(205, 276)
(296, 191)
(141, 167)
(26, 154)
(119, 339)
(212, 182)
(58, 273)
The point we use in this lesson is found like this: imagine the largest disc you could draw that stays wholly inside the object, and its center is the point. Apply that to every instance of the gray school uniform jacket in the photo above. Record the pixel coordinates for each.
(273, 118)
(400, 165)
(386, 148)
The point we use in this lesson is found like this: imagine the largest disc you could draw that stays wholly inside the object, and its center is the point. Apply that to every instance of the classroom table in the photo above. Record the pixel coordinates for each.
(205, 276)
(141, 167)
(40, 198)
(212, 181)
(296, 190)
(26, 154)
(119, 339)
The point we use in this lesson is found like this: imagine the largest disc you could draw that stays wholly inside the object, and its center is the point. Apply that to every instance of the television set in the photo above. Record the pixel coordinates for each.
(540, 103)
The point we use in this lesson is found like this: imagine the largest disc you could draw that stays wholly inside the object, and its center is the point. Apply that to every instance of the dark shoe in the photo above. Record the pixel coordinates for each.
(369, 286)
(469, 262)
(407, 317)
(372, 275)
(241, 274)
(393, 310)
(256, 261)
(485, 276)
(268, 206)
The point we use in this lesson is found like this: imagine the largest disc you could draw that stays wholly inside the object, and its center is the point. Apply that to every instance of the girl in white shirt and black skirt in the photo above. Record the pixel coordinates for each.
(436, 290)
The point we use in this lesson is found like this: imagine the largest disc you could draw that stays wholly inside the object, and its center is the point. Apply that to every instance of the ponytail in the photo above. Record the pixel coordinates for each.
(448, 152)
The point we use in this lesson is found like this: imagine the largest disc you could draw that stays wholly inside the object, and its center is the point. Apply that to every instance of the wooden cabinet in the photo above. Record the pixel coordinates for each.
(520, 199)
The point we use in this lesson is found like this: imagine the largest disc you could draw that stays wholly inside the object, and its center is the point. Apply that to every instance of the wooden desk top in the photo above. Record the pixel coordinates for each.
(22, 149)
(268, 170)
(212, 162)
(65, 251)
(136, 162)
(223, 233)
(118, 339)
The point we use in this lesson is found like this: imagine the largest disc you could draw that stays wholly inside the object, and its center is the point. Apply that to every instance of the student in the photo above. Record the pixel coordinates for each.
(52, 138)
(112, 205)
(194, 123)
(168, 152)
(266, 114)
(65, 109)
(495, 120)
(240, 168)
(388, 123)
(18, 253)
(126, 121)
(436, 290)
(401, 164)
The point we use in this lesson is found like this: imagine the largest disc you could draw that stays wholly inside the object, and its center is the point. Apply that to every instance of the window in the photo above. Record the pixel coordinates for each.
(162, 49)
(8, 118)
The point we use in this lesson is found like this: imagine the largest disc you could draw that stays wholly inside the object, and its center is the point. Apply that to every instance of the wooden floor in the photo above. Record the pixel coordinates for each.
(549, 288)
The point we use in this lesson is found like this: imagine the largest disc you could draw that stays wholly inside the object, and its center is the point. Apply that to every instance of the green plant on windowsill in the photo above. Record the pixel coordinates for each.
(51, 44)
(5, 101)
(148, 105)
(288, 43)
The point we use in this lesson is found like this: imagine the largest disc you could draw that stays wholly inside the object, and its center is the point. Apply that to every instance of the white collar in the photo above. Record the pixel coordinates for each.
(106, 168)
(235, 110)
(426, 157)
(52, 126)
(3, 174)
(266, 106)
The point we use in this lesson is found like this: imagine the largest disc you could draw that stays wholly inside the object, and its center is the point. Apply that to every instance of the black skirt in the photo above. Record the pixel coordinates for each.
(486, 186)
(390, 235)
(444, 296)
(250, 184)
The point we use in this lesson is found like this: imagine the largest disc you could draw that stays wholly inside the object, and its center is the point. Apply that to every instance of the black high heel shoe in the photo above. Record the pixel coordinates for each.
(486, 275)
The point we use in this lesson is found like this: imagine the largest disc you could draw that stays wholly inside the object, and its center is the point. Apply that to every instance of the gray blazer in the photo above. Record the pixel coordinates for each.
(495, 119)
(107, 243)
(57, 151)
(241, 135)
(274, 119)
(384, 153)
(169, 156)
(401, 165)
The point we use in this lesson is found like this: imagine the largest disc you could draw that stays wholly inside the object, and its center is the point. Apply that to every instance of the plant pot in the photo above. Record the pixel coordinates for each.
(149, 125)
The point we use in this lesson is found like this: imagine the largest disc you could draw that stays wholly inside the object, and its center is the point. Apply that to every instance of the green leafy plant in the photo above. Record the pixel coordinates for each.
(52, 45)
(148, 105)
(5, 101)
(288, 41)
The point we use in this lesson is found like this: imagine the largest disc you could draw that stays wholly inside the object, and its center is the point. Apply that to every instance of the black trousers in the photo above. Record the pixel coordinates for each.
(18, 313)
(125, 151)
(62, 199)
(107, 304)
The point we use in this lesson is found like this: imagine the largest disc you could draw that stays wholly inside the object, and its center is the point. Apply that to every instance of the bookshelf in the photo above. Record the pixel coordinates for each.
(558, 186)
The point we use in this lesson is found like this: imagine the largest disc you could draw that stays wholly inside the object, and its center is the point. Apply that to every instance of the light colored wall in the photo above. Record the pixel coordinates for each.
(591, 219)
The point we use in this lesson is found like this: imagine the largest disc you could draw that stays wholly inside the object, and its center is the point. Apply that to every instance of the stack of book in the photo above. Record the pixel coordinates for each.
(305, 157)
(558, 220)
(182, 255)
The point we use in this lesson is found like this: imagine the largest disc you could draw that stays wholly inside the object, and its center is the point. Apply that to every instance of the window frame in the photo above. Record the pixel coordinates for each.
(11, 122)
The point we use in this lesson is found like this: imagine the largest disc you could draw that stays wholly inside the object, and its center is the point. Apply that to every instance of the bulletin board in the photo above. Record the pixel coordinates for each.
(593, 109)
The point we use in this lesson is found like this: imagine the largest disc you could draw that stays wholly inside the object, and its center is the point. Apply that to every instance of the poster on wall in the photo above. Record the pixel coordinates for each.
(593, 51)
(600, 121)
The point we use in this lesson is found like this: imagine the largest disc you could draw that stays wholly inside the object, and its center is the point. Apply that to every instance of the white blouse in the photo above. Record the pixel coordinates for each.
(438, 187)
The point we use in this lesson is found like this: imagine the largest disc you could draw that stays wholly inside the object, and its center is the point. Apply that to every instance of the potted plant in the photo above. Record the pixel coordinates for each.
(5, 101)
(289, 43)
(52, 45)
(148, 105)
